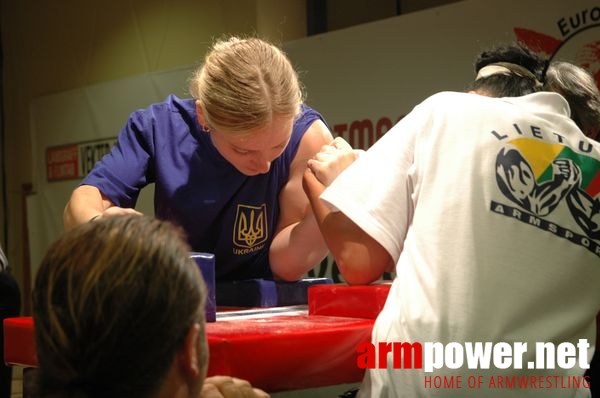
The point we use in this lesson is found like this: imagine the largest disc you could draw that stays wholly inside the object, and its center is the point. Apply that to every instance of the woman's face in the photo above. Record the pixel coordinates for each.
(251, 153)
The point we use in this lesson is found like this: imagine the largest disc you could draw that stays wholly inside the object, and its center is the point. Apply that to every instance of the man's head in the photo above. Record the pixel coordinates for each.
(508, 71)
(118, 307)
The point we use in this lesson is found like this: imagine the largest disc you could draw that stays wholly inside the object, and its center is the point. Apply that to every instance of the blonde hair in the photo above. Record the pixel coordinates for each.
(578, 87)
(112, 304)
(243, 83)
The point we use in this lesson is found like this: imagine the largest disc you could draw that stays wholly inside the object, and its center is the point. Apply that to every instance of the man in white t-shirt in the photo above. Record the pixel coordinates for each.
(486, 205)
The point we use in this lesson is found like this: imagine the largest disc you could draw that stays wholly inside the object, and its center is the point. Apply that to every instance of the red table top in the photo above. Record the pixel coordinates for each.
(351, 301)
(275, 353)
(281, 350)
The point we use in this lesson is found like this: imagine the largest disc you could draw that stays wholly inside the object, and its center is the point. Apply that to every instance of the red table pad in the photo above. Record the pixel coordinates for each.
(348, 301)
(288, 352)
(19, 342)
(275, 353)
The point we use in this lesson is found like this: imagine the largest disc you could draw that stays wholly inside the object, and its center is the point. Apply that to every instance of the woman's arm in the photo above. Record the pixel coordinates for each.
(87, 203)
(298, 245)
(359, 257)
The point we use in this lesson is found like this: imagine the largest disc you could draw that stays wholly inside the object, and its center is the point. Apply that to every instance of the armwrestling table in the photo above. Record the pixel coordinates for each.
(276, 349)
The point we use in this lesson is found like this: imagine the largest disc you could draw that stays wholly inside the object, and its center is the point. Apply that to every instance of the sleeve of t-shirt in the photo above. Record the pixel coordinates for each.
(306, 117)
(302, 122)
(377, 191)
(126, 169)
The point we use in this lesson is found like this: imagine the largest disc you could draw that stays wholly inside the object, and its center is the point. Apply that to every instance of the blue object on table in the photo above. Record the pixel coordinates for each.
(206, 264)
(266, 292)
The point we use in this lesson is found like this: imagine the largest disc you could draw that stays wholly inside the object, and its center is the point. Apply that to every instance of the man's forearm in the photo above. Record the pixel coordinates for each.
(360, 259)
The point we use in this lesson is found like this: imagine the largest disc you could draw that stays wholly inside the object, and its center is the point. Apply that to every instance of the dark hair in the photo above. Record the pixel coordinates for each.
(112, 303)
(510, 84)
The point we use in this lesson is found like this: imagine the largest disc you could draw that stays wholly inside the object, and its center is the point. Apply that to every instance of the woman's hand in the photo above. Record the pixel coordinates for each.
(332, 159)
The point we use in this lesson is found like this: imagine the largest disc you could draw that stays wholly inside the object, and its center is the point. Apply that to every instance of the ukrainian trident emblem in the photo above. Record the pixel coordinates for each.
(250, 225)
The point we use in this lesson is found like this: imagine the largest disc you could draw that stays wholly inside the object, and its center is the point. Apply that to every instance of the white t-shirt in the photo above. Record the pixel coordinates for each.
(490, 208)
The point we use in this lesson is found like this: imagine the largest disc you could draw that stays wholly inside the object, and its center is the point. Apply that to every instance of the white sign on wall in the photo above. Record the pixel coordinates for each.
(75, 161)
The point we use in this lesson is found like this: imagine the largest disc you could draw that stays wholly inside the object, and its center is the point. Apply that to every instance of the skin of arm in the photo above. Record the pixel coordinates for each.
(229, 387)
(332, 159)
(88, 202)
(360, 258)
(298, 245)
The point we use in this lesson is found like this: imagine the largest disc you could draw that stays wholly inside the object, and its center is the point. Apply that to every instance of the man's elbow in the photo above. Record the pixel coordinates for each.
(362, 263)
(358, 271)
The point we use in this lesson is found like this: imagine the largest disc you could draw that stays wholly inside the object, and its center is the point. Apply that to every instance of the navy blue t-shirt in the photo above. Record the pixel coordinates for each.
(221, 210)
